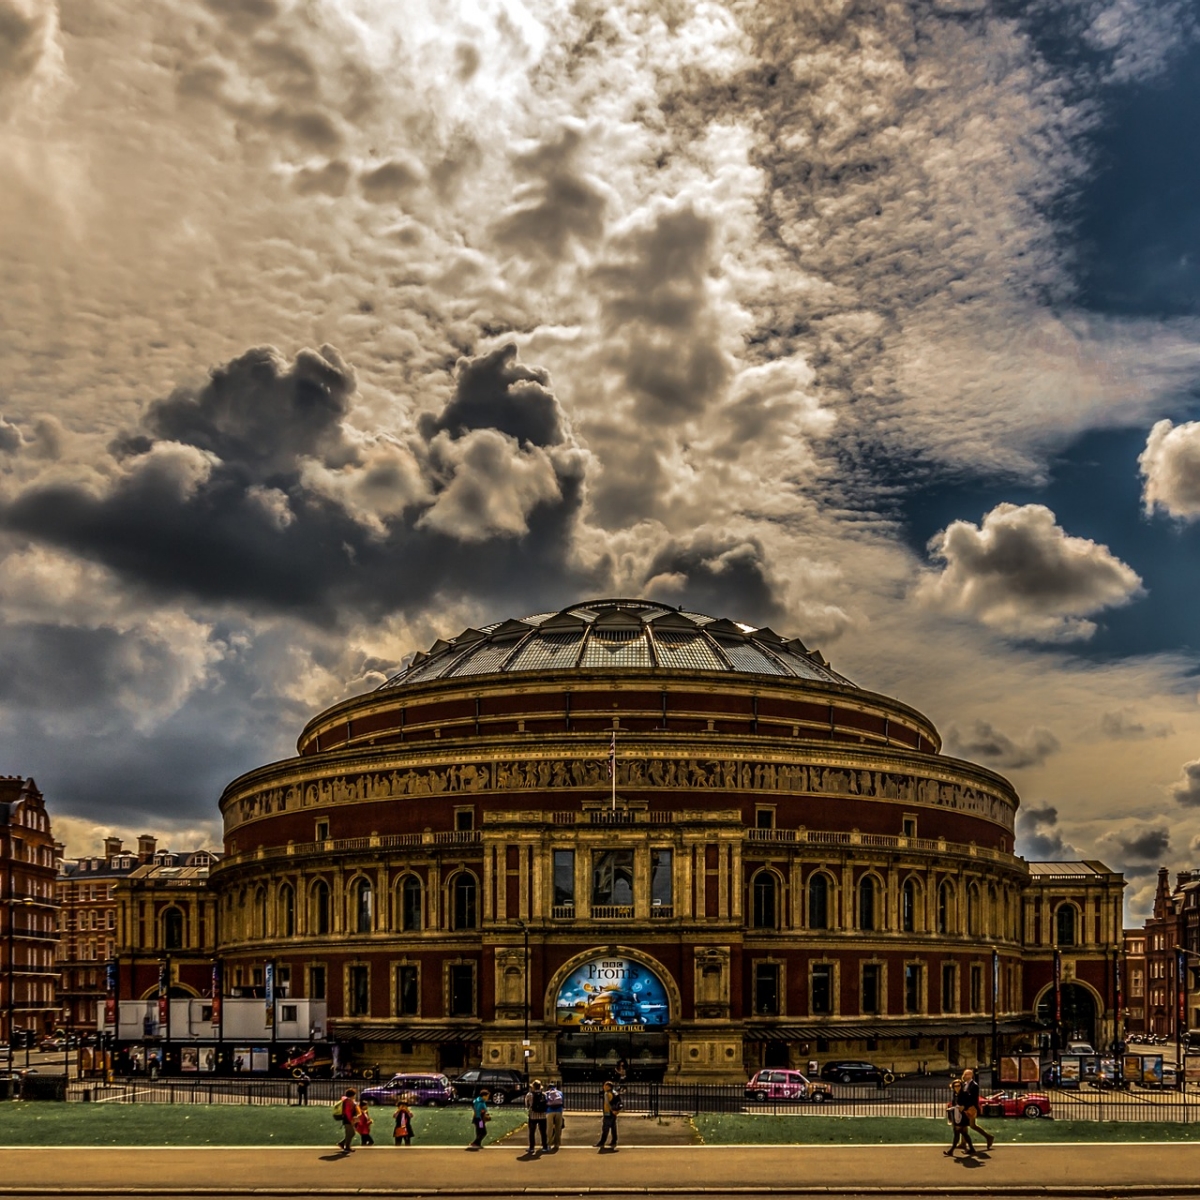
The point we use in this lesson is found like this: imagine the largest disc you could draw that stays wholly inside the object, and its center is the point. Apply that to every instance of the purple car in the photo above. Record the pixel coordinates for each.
(420, 1089)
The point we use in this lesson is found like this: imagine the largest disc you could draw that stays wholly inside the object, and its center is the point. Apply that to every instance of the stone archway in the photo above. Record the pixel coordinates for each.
(1081, 1011)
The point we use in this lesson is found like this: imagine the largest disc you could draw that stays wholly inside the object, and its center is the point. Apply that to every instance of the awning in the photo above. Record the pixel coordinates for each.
(929, 1029)
(348, 1031)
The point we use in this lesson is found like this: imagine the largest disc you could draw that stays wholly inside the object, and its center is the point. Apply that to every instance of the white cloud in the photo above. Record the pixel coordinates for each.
(1021, 574)
(1170, 466)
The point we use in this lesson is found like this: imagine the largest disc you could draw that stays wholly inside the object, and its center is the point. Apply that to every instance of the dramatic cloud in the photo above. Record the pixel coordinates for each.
(1170, 466)
(1141, 844)
(1187, 790)
(254, 489)
(986, 744)
(1020, 573)
(1038, 836)
(1124, 726)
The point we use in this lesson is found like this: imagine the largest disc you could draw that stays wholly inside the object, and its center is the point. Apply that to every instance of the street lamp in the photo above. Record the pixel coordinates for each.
(525, 1005)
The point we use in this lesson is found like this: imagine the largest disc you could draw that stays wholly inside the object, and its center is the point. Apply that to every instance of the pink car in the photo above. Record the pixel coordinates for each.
(777, 1084)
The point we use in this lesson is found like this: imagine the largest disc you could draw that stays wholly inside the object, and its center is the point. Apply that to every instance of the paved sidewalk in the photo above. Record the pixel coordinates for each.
(1141, 1168)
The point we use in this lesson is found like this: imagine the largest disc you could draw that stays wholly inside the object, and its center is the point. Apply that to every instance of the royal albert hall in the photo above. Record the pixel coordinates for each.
(785, 867)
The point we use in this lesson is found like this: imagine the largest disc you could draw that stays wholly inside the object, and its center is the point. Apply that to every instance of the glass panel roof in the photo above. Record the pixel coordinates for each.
(617, 648)
(547, 651)
(618, 637)
(686, 651)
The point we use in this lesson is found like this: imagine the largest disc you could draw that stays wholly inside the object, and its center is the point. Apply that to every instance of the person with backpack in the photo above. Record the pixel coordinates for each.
(535, 1110)
(554, 1114)
(346, 1111)
(611, 1104)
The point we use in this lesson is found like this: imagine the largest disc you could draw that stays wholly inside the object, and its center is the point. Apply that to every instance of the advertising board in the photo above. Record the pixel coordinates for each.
(609, 992)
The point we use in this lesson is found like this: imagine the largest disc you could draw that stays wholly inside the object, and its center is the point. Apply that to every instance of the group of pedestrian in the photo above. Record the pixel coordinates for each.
(544, 1115)
(355, 1117)
(963, 1112)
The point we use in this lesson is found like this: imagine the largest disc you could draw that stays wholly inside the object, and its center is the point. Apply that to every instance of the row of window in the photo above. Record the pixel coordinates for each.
(824, 998)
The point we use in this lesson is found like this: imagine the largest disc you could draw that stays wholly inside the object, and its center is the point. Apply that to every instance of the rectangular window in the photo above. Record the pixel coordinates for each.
(948, 982)
(360, 992)
(912, 988)
(612, 878)
(321, 831)
(661, 885)
(408, 999)
(464, 819)
(287, 1012)
(766, 990)
(870, 988)
(822, 989)
(908, 826)
(977, 989)
(316, 983)
(764, 817)
(462, 990)
(564, 878)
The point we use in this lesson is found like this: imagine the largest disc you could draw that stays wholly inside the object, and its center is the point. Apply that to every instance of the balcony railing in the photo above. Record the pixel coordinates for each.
(661, 911)
(882, 841)
(563, 912)
(612, 912)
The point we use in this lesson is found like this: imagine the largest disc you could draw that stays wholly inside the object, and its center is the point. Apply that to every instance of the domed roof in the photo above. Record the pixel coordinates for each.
(628, 635)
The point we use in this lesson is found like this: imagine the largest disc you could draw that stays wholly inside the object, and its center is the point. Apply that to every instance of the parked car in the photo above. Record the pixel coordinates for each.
(1077, 1047)
(854, 1071)
(422, 1089)
(1015, 1104)
(504, 1084)
(786, 1085)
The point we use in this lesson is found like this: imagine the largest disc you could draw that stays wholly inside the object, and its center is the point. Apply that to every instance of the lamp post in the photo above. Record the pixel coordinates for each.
(525, 1005)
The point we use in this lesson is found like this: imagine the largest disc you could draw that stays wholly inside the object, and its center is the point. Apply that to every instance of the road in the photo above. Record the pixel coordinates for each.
(504, 1170)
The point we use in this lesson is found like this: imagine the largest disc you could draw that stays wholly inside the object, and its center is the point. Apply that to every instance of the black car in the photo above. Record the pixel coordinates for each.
(504, 1085)
(854, 1071)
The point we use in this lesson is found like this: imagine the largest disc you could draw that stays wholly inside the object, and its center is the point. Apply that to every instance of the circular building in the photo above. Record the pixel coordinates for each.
(626, 831)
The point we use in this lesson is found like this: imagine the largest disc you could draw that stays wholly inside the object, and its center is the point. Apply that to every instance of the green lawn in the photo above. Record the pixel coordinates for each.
(734, 1129)
(47, 1124)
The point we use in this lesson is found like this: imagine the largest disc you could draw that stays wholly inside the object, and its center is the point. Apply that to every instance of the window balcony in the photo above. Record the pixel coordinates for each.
(612, 912)
(563, 912)
(661, 911)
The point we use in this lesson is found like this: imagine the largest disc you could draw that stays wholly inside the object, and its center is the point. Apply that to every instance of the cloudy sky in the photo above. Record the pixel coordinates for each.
(330, 326)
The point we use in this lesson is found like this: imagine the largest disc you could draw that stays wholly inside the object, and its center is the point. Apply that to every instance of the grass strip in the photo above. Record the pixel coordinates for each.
(742, 1130)
(48, 1124)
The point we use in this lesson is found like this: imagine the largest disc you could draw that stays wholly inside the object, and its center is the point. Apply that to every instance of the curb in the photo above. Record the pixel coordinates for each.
(1042, 1190)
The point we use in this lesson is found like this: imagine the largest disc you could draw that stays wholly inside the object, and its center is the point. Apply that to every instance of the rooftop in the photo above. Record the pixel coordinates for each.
(618, 634)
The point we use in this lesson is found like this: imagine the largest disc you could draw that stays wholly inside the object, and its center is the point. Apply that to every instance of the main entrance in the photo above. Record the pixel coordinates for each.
(612, 1015)
(1078, 1013)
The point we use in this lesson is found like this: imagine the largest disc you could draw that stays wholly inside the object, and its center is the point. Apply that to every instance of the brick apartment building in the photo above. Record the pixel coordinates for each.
(28, 976)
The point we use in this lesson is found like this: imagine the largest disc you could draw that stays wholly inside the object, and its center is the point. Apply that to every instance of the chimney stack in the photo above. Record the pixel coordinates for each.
(146, 847)
(112, 846)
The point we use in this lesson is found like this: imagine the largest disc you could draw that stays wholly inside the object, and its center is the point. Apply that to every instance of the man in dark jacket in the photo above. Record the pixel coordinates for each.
(969, 1098)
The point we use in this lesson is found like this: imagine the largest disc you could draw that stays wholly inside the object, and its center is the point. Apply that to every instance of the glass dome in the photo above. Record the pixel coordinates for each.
(628, 635)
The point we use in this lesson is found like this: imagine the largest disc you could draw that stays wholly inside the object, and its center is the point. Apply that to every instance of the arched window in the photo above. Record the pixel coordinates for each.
(908, 907)
(818, 900)
(260, 913)
(945, 920)
(363, 906)
(173, 929)
(1064, 925)
(763, 892)
(464, 900)
(287, 911)
(320, 907)
(866, 902)
(973, 910)
(411, 904)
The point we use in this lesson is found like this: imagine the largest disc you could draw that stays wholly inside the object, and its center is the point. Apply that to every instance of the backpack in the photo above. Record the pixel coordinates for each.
(615, 1104)
(537, 1104)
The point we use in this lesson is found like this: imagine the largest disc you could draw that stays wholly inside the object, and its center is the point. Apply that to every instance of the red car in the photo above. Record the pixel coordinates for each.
(1015, 1104)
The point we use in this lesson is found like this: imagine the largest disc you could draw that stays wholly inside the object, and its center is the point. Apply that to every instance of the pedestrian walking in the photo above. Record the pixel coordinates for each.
(402, 1117)
(535, 1112)
(611, 1105)
(302, 1088)
(970, 1103)
(362, 1125)
(958, 1121)
(554, 1115)
(346, 1111)
(479, 1118)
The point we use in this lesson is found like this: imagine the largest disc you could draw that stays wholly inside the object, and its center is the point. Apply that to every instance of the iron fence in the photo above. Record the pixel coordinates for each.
(922, 1100)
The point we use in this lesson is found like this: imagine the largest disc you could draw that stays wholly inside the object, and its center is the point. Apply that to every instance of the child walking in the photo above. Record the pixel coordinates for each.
(362, 1125)
(403, 1119)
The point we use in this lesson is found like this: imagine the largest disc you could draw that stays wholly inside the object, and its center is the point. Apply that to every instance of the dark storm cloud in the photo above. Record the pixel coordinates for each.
(250, 490)
(725, 578)
(1148, 845)
(496, 392)
(390, 179)
(1187, 790)
(989, 745)
(1038, 836)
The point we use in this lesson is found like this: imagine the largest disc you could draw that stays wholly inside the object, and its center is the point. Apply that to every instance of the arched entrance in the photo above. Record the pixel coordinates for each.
(1079, 1012)
(612, 1010)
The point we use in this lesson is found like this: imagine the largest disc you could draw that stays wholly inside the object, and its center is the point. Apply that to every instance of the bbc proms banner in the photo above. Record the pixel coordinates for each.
(612, 993)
